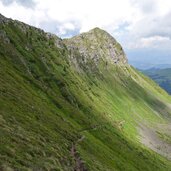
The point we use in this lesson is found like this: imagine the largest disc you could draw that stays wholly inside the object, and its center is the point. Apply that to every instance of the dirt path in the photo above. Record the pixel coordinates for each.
(93, 127)
(151, 139)
(79, 164)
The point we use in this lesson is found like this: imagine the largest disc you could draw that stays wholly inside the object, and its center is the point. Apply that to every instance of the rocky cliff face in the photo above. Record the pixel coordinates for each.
(95, 45)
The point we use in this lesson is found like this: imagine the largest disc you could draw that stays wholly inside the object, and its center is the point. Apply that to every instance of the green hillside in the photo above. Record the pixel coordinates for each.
(76, 104)
(161, 77)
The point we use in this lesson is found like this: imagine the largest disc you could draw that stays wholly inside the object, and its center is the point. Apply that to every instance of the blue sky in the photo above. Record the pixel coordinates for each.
(143, 27)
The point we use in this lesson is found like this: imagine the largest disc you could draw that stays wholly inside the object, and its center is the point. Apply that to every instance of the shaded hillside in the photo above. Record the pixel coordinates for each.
(62, 108)
(161, 77)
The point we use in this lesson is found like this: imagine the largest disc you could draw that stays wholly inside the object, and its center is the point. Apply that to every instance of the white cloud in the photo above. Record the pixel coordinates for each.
(152, 42)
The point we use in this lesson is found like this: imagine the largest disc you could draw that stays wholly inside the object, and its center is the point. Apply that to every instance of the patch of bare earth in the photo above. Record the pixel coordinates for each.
(79, 164)
(150, 138)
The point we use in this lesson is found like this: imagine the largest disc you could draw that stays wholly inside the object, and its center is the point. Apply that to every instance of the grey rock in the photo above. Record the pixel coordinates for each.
(95, 45)
(57, 41)
(3, 19)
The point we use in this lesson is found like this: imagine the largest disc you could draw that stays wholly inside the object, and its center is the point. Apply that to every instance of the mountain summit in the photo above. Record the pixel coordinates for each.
(76, 104)
(97, 45)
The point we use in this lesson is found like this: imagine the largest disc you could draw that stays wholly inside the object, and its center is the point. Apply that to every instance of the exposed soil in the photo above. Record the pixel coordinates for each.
(79, 164)
(150, 138)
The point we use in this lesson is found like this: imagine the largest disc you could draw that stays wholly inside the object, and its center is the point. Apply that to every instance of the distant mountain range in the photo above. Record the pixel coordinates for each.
(160, 76)
(147, 66)
(146, 59)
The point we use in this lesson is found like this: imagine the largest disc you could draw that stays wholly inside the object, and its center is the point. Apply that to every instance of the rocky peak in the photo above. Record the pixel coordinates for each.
(97, 44)
(3, 19)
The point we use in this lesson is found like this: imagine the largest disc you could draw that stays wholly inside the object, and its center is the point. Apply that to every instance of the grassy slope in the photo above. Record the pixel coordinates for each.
(46, 105)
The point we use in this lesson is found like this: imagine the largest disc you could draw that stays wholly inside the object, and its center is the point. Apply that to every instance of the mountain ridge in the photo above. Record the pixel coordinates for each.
(160, 76)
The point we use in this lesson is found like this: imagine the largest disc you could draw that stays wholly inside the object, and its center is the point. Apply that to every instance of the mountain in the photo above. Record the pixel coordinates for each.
(161, 77)
(149, 58)
(147, 66)
(76, 104)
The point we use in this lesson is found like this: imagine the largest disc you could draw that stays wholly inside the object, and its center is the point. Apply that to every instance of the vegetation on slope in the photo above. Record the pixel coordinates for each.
(58, 114)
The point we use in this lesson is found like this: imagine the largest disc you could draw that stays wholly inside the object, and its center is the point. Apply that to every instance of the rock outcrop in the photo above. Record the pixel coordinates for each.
(97, 44)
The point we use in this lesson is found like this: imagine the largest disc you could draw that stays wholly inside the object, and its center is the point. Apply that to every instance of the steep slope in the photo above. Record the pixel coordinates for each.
(161, 77)
(75, 104)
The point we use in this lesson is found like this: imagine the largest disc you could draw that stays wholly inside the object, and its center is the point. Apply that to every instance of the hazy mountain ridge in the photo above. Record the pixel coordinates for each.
(62, 109)
(161, 77)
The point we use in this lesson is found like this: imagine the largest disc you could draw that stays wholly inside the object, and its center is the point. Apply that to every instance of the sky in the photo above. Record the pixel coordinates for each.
(143, 27)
